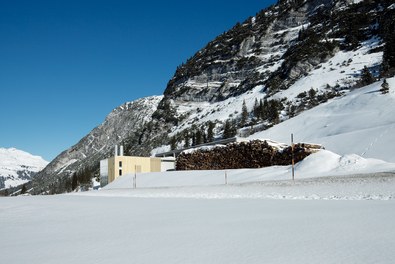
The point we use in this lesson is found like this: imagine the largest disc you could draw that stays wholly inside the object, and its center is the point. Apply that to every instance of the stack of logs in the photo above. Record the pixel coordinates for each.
(252, 154)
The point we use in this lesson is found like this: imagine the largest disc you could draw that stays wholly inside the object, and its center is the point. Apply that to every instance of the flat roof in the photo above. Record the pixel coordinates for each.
(176, 152)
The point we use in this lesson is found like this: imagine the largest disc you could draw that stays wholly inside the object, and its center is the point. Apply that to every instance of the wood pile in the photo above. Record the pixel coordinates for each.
(251, 154)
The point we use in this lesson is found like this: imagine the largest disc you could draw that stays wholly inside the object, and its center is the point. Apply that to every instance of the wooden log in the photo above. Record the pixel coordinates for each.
(253, 154)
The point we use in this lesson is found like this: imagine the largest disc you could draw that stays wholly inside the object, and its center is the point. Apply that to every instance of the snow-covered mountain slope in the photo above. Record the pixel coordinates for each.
(18, 167)
(343, 70)
(360, 123)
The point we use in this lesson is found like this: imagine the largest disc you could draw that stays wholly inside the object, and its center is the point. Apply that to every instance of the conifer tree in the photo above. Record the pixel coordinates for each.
(312, 93)
(74, 181)
(233, 129)
(199, 137)
(272, 111)
(210, 131)
(244, 114)
(186, 139)
(173, 143)
(264, 109)
(256, 109)
(385, 88)
(226, 130)
(204, 135)
(230, 129)
(291, 110)
(193, 134)
(366, 77)
(67, 184)
(24, 190)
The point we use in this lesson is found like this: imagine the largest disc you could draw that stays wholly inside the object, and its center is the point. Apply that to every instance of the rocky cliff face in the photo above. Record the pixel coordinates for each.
(275, 48)
(249, 53)
(298, 53)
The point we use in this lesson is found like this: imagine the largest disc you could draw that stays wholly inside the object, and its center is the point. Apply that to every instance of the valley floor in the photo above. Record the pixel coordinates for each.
(235, 223)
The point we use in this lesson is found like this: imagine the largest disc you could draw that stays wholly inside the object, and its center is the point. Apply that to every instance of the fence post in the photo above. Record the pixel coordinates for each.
(293, 157)
(135, 177)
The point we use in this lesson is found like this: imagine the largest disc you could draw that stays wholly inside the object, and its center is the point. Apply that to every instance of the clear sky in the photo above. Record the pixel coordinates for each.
(65, 64)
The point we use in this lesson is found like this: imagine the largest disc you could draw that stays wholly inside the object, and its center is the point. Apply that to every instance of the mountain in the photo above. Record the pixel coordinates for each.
(288, 58)
(122, 122)
(294, 55)
(18, 167)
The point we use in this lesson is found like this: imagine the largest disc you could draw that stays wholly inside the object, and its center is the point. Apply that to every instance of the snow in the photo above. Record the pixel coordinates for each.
(360, 123)
(337, 210)
(220, 111)
(193, 217)
(14, 161)
(66, 165)
(343, 69)
(321, 168)
(82, 229)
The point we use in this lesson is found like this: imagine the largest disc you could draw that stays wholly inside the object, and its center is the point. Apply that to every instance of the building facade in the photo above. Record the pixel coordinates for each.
(119, 165)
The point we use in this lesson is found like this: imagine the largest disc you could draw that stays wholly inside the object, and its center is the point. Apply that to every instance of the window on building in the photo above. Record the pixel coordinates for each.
(120, 172)
(120, 164)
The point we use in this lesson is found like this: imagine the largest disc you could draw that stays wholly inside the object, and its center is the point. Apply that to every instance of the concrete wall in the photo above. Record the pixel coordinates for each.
(103, 172)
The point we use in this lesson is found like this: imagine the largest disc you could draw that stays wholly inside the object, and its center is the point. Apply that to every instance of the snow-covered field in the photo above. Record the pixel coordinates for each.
(82, 229)
(261, 216)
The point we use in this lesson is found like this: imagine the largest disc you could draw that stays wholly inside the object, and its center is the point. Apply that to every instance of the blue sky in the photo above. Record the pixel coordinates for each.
(64, 65)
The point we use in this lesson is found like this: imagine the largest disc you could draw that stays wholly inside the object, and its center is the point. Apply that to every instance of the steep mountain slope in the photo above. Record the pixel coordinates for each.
(361, 122)
(282, 43)
(299, 54)
(18, 167)
(268, 53)
(292, 56)
(98, 144)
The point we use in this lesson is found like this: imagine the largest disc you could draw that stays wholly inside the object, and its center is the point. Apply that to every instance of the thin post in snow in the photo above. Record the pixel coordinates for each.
(293, 157)
(226, 178)
(135, 177)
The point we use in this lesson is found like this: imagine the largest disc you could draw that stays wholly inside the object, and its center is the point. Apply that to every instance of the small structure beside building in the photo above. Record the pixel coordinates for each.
(119, 165)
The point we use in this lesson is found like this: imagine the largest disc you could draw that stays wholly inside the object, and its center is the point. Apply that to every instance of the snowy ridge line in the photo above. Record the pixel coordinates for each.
(17, 167)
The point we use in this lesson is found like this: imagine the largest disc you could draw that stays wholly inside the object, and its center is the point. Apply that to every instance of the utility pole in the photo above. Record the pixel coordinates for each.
(293, 157)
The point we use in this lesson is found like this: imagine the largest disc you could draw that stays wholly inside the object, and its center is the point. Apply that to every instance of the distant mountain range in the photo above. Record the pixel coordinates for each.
(259, 75)
(18, 167)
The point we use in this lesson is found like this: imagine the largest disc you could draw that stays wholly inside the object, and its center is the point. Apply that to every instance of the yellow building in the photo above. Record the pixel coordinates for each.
(119, 165)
